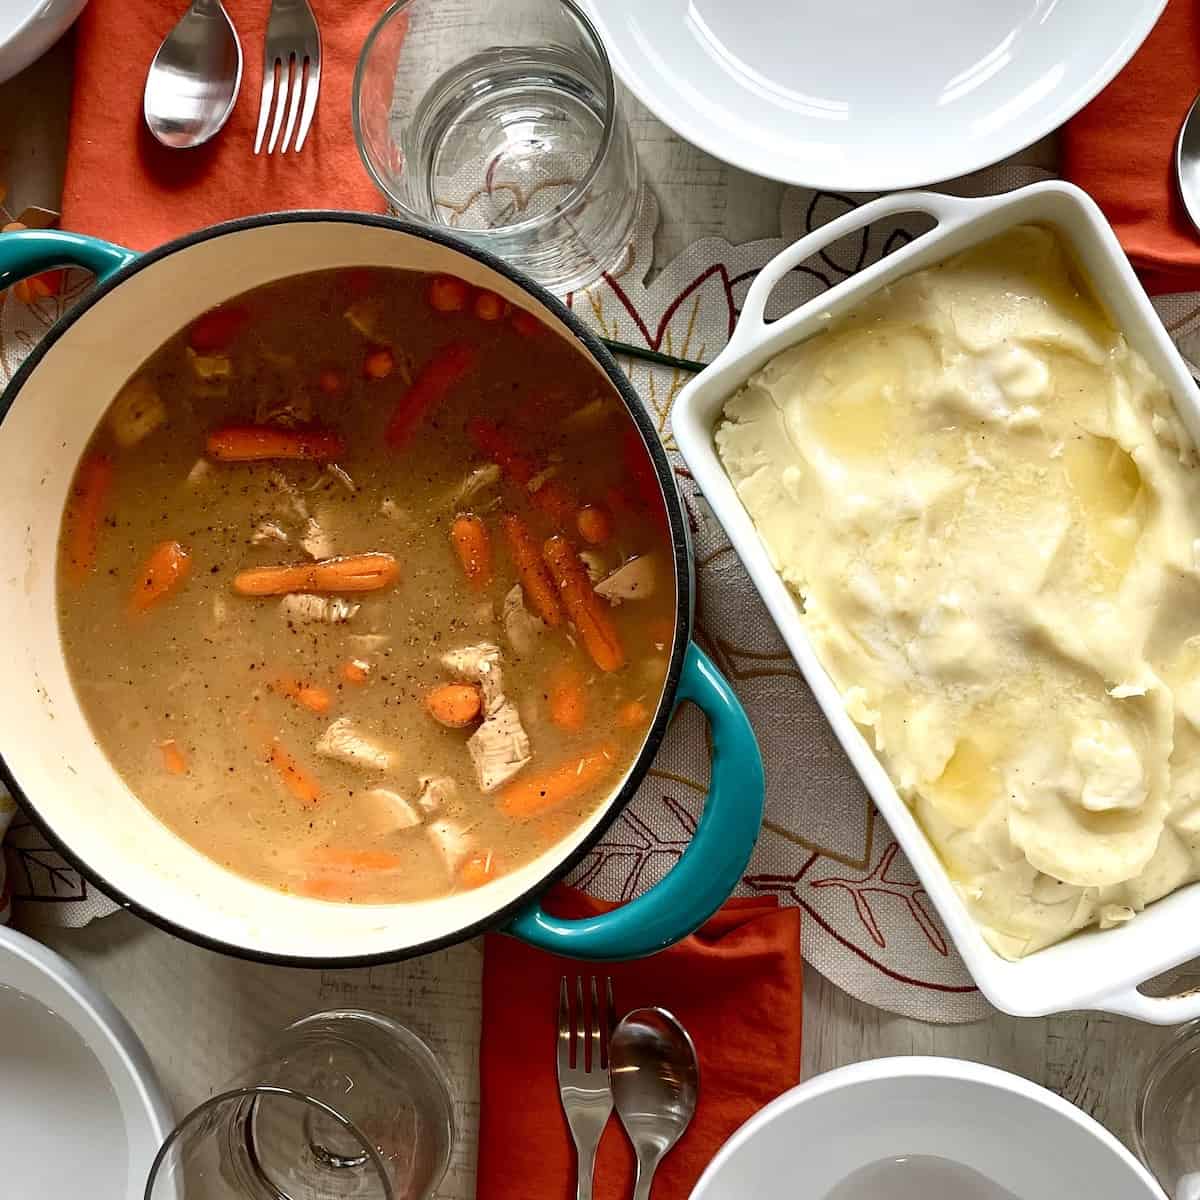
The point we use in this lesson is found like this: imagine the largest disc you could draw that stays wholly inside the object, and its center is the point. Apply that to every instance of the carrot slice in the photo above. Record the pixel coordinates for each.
(335, 887)
(454, 705)
(556, 500)
(482, 867)
(539, 792)
(253, 443)
(164, 572)
(379, 363)
(588, 613)
(568, 699)
(488, 306)
(331, 381)
(448, 367)
(354, 573)
(85, 512)
(448, 294)
(216, 328)
(308, 695)
(525, 323)
(295, 778)
(473, 545)
(174, 759)
(594, 524)
(355, 860)
(539, 589)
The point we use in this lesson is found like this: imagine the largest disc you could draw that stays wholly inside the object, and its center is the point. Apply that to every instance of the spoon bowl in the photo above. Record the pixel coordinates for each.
(655, 1083)
(193, 81)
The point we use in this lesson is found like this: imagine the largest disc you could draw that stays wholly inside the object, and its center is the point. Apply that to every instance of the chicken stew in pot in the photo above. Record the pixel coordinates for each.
(366, 586)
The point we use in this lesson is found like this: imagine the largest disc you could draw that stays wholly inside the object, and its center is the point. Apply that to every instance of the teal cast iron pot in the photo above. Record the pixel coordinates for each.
(55, 769)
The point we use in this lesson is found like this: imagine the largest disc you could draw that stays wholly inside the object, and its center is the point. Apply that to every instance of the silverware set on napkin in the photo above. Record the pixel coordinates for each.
(644, 1065)
(194, 79)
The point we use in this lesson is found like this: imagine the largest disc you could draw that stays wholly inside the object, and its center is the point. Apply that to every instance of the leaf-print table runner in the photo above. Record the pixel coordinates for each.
(869, 927)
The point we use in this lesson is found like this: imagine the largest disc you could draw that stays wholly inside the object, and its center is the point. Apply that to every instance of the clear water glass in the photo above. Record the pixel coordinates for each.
(348, 1104)
(499, 121)
(1166, 1117)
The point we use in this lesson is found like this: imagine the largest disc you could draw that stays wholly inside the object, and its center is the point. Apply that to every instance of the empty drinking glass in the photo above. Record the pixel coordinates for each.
(504, 129)
(348, 1104)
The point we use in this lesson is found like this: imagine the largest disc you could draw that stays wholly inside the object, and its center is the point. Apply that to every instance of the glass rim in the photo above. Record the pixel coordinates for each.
(577, 192)
(259, 1090)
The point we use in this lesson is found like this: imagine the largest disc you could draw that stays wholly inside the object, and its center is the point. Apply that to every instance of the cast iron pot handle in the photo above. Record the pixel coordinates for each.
(30, 251)
(711, 866)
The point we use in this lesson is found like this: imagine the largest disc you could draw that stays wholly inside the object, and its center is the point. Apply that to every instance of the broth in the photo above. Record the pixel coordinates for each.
(467, 469)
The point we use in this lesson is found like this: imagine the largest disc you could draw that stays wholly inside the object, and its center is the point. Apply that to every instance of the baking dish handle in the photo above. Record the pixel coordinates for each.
(27, 252)
(711, 866)
(1154, 1010)
(945, 210)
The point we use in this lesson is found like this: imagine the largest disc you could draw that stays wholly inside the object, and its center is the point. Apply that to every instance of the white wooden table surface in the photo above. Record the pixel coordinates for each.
(169, 990)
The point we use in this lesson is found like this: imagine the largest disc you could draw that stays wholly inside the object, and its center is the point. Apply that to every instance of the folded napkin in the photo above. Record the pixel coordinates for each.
(122, 185)
(736, 986)
(1121, 149)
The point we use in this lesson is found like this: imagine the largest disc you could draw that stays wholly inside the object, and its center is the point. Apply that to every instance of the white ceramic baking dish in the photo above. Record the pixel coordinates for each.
(1092, 970)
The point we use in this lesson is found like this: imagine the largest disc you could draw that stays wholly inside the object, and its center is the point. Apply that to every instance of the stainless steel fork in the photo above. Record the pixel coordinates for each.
(583, 1072)
(293, 52)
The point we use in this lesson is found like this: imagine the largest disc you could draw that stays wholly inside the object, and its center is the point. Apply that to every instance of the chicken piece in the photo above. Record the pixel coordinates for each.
(635, 580)
(316, 540)
(368, 643)
(499, 748)
(288, 501)
(436, 792)
(290, 410)
(479, 480)
(595, 565)
(480, 663)
(220, 609)
(521, 627)
(212, 375)
(588, 418)
(311, 609)
(268, 531)
(201, 470)
(137, 412)
(451, 841)
(342, 476)
(345, 742)
(390, 811)
(367, 317)
(392, 511)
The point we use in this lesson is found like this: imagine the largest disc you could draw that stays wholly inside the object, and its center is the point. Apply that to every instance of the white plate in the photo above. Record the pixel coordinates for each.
(81, 1113)
(1016, 1134)
(863, 95)
(28, 28)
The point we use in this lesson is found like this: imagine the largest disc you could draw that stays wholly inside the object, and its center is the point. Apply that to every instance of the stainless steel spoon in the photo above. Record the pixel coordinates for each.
(655, 1081)
(193, 82)
(1187, 163)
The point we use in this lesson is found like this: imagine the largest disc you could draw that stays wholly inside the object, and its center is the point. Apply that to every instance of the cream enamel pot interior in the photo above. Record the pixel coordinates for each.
(62, 777)
(1099, 970)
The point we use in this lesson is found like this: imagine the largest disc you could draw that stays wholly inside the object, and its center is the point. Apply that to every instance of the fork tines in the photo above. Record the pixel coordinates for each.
(291, 74)
(583, 1033)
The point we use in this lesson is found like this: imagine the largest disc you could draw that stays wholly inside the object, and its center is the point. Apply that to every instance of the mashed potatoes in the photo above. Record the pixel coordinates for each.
(989, 512)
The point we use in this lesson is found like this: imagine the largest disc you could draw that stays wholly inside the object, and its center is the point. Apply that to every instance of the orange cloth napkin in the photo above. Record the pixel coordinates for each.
(1121, 149)
(122, 185)
(736, 986)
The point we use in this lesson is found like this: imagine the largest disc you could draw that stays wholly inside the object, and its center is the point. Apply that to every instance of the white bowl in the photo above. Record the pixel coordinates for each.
(1099, 970)
(1016, 1134)
(28, 28)
(856, 95)
(81, 1112)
